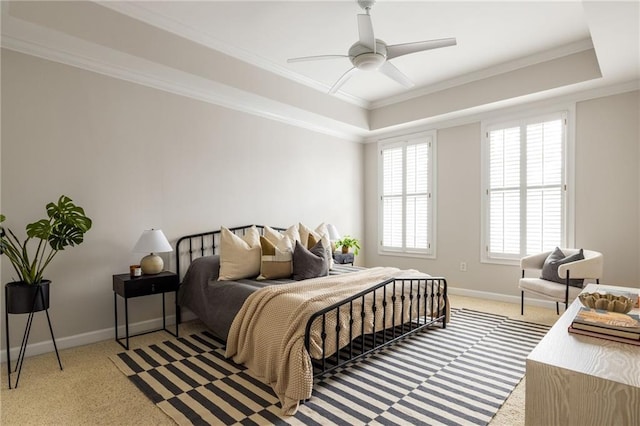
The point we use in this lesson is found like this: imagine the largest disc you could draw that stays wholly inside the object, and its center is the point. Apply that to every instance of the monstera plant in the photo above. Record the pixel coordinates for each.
(65, 226)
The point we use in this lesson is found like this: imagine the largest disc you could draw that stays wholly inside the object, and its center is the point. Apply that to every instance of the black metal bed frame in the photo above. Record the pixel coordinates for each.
(426, 306)
(424, 298)
(205, 244)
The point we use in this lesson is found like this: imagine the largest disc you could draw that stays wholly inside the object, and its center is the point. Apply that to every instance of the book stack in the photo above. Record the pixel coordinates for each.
(607, 325)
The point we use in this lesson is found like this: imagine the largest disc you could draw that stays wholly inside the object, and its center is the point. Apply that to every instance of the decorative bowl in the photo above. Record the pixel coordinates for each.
(607, 302)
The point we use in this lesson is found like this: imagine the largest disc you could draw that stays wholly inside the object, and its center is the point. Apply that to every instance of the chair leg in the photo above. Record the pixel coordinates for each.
(521, 302)
(557, 309)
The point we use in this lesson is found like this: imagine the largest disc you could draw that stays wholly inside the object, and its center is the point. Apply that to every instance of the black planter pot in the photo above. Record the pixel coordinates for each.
(20, 297)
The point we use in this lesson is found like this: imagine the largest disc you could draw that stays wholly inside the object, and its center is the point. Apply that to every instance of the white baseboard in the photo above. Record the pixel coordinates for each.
(501, 297)
(93, 336)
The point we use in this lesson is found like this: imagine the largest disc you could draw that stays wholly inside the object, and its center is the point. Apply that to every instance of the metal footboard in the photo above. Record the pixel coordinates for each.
(392, 310)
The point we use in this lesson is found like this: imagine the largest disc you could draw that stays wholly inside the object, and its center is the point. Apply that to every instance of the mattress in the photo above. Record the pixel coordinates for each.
(215, 302)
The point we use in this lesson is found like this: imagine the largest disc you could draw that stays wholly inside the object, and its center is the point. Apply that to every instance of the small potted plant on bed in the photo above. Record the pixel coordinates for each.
(65, 226)
(348, 242)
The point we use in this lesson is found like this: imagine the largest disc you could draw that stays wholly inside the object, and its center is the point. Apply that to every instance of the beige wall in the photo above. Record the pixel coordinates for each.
(136, 158)
(608, 136)
(607, 188)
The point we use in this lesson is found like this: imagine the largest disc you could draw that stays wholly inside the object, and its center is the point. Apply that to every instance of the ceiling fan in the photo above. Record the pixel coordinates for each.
(370, 53)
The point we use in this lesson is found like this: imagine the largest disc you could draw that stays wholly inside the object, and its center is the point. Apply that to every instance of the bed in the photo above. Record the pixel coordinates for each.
(289, 332)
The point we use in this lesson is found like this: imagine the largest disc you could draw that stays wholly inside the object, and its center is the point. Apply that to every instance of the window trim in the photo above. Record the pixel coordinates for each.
(432, 211)
(567, 111)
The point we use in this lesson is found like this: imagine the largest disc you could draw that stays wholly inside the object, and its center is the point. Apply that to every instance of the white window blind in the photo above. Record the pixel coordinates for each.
(525, 204)
(406, 195)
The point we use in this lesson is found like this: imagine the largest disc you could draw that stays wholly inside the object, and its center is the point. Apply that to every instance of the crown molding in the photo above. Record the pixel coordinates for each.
(25, 37)
(172, 25)
(576, 93)
(505, 67)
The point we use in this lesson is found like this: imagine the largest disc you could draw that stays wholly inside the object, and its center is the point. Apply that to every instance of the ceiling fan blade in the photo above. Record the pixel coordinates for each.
(418, 46)
(316, 58)
(365, 31)
(395, 74)
(342, 80)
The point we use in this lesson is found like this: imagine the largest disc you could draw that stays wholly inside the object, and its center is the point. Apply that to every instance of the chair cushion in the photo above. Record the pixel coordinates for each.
(548, 289)
(554, 260)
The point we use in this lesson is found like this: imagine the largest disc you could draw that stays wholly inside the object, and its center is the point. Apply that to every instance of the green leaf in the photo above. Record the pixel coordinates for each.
(65, 226)
(69, 223)
(65, 235)
(40, 229)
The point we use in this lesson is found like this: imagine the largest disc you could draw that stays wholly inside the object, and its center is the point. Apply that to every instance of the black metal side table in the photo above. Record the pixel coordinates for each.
(343, 258)
(145, 285)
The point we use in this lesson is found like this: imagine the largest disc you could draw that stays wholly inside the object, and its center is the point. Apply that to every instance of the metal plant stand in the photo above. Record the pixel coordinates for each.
(25, 337)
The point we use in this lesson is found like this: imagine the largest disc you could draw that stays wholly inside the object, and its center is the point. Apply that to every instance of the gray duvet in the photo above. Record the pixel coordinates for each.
(215, 302)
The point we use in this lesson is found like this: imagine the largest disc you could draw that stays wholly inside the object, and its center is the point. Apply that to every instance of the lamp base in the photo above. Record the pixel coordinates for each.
(151, 264)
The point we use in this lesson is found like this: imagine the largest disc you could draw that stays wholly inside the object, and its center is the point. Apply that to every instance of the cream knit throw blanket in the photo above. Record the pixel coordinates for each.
(267, 335)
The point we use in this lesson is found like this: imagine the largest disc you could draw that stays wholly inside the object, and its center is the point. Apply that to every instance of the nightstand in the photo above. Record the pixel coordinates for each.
(145, 285)
(343, 258)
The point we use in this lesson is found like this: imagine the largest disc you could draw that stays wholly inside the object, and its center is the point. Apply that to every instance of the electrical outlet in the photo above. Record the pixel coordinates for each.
(463, 266)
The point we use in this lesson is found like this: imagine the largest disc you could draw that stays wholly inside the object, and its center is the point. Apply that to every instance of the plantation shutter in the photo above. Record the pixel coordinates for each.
(417, 196)
(504, 191)
(525, 190)
(405, 195)
(392, 196)
(544, 186)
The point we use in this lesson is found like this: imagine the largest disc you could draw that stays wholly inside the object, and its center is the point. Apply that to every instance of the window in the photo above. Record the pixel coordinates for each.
(524, 187)
(406, 195)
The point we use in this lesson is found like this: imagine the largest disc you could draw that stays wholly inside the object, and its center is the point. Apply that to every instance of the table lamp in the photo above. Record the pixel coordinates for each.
(152, 241)
(334, 235)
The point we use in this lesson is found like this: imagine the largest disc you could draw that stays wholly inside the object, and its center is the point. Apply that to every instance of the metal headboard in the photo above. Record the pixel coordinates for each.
(191, 247)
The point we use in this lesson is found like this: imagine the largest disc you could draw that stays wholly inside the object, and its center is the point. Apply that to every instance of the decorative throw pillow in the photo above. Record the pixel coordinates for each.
(554, 260)
(275, 236)
(276, 258)
(320, 233)
(304, 234)
(239, 257)
(309, 263)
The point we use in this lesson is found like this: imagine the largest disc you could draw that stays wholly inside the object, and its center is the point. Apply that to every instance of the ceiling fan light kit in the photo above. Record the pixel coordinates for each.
(362, 58)
(372, 54)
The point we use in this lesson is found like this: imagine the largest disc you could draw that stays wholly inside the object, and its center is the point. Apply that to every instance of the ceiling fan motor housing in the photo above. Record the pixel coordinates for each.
(363, 58)
(366, 4)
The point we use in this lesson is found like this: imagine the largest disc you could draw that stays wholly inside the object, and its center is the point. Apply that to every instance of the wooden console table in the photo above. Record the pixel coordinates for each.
(579, 380)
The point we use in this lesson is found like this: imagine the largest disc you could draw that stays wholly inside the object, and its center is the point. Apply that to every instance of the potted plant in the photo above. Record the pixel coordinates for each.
(65, 226)
(348, 242)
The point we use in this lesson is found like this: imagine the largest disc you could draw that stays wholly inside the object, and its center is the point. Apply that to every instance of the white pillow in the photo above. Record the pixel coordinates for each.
(239, 257)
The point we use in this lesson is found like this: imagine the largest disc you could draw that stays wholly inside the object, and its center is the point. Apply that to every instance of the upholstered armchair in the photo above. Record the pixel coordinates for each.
(589, 268)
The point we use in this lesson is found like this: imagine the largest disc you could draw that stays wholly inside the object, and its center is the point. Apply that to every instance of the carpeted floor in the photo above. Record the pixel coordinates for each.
(91, 390)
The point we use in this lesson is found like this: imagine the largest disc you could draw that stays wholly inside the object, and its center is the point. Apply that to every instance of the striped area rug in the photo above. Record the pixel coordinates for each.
(458, 375)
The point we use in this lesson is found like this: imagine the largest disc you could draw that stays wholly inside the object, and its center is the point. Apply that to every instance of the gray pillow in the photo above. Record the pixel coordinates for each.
(554, 260)
(310, 263)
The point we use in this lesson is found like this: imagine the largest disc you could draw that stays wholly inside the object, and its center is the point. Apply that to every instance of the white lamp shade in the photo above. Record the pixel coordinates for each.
(334, 235)
(152, 241)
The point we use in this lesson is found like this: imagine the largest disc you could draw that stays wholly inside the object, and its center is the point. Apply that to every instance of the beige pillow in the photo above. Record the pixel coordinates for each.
(317, 233)
(275, 236)
(276, 258)
(239, 257)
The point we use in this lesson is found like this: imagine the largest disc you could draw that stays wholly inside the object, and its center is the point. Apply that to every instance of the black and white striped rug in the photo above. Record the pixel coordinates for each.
(458, 375)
